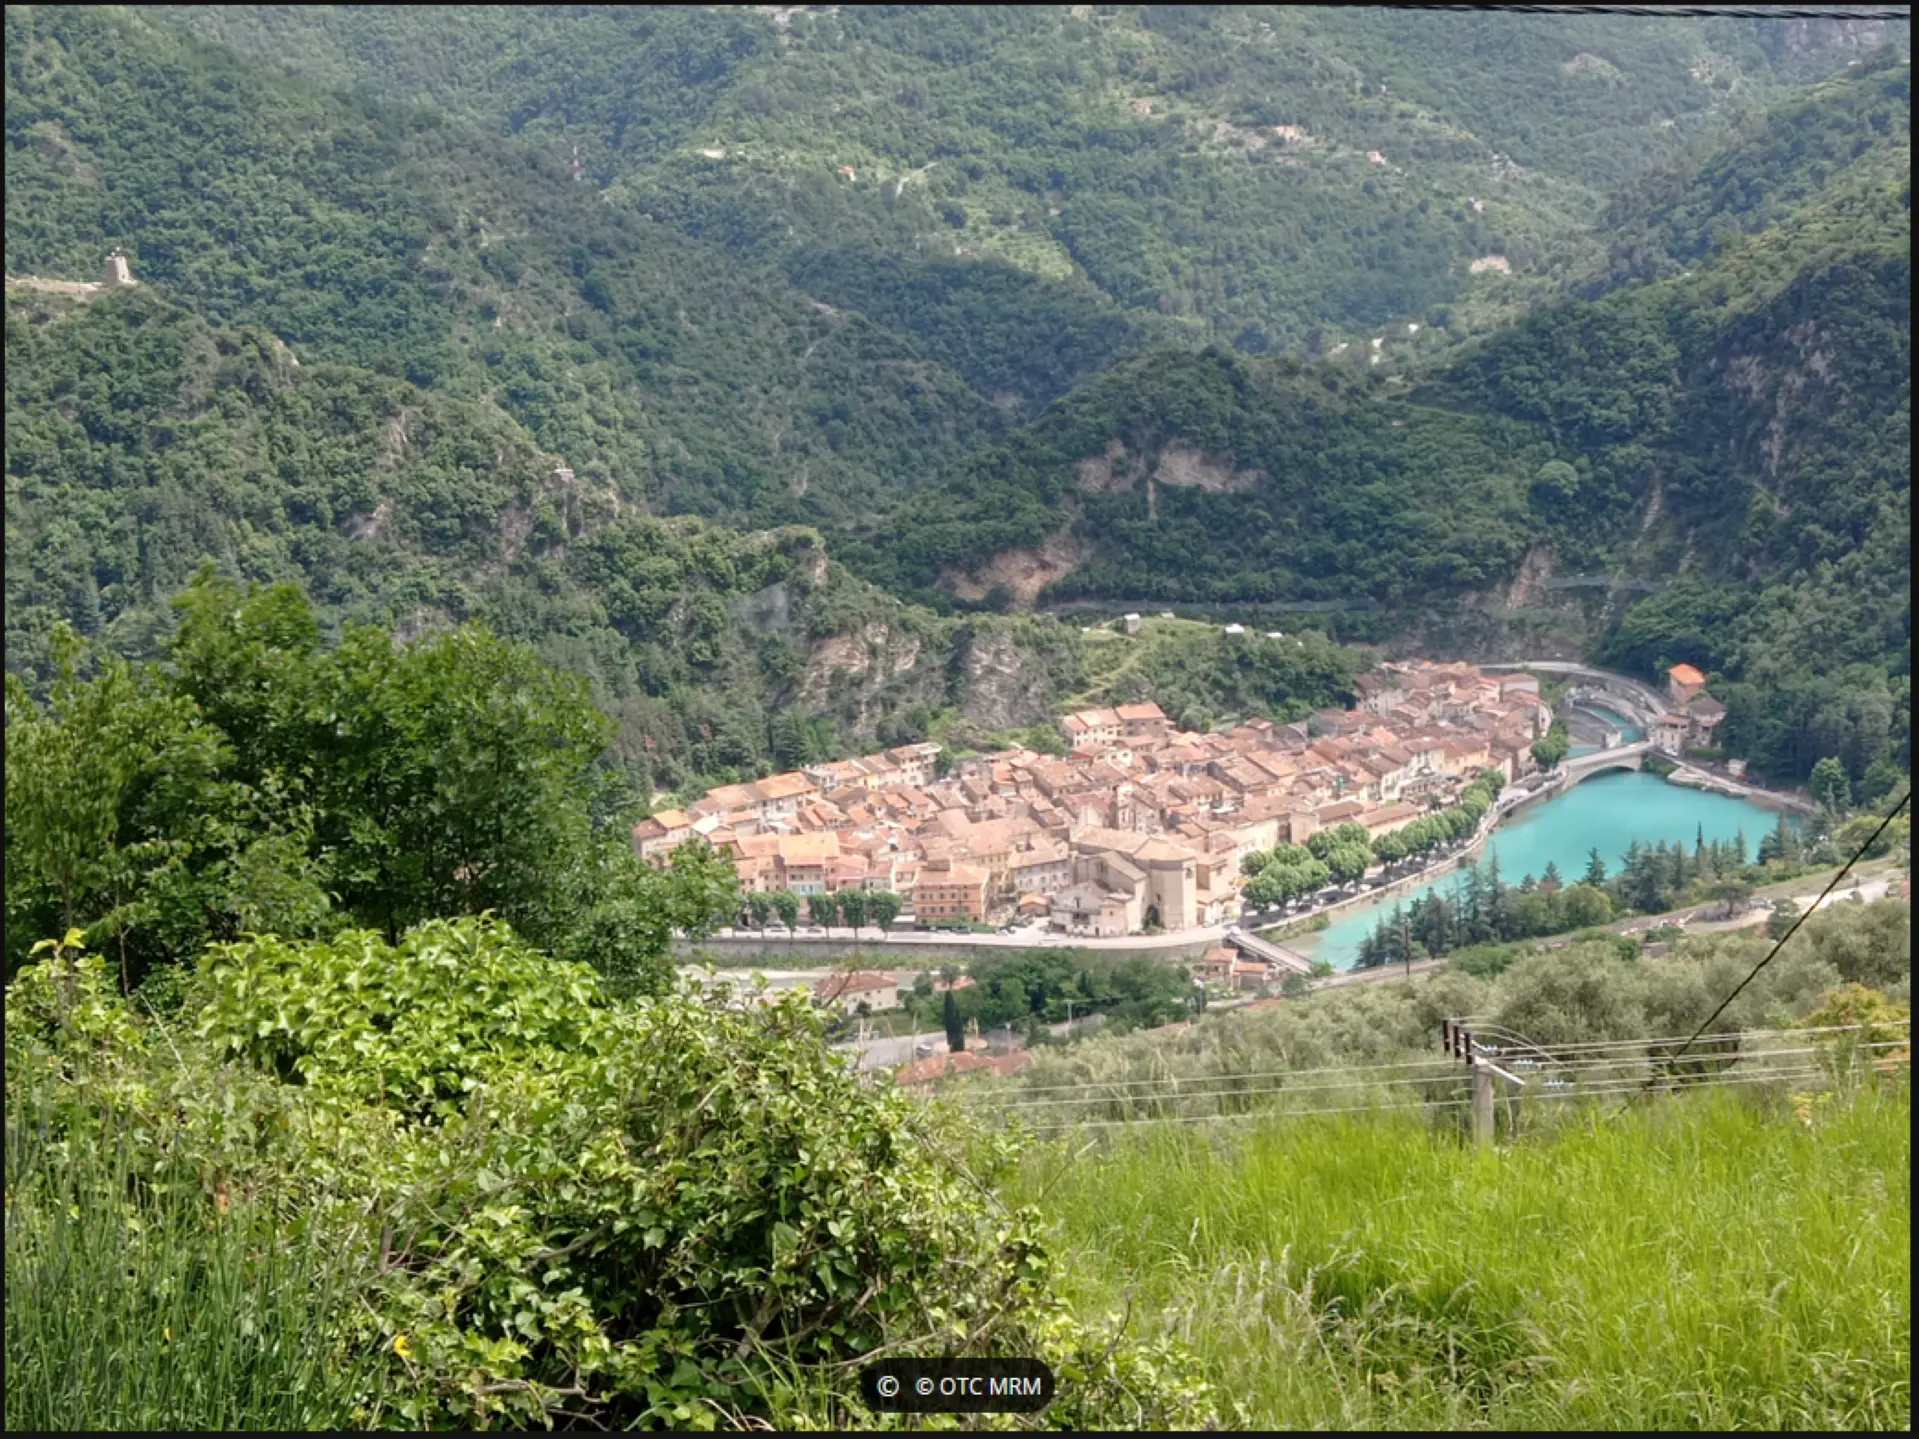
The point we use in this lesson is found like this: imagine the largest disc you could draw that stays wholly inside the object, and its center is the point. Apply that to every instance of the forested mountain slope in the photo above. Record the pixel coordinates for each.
(473, 266)
(366, 324)
(1212, 164)
(1212, 476)
(1736, 435)
(1823, 149)
(1603, 429)
(142, 441)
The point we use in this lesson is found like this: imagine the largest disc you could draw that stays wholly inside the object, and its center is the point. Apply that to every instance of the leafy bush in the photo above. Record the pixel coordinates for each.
(671, 1213)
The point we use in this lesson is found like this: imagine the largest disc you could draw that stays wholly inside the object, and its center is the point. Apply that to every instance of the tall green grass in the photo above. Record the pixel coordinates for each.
(131, 1307)
(1709, 1262)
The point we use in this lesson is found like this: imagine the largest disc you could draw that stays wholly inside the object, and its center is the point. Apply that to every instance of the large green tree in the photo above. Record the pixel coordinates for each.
(260, 780)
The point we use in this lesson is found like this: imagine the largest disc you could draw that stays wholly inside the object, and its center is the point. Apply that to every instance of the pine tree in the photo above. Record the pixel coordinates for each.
(787, 740)
(955, 1029)
(1780, 843)
(1595, 869)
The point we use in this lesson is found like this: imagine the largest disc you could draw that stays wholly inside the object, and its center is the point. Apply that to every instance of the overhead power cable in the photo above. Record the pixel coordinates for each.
(1600, 1072)
(1256, 1114)
(1432, 1064)
(1479, 1027)
(1627, 1089)
(1689, 12)
(1609, 1051)
(1844, 870)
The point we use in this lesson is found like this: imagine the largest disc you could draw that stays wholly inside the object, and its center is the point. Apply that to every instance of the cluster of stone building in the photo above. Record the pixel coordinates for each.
(1139, 826)
(1694, 717)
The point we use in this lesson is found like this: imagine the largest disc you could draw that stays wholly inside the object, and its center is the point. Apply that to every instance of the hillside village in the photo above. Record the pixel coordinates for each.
(1139, 827)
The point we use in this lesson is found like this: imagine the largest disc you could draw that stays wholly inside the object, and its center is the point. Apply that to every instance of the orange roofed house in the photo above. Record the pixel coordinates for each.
(1143, 721)
(1698, 713)
(1682, 683)
(662, 833)
(1089, 729)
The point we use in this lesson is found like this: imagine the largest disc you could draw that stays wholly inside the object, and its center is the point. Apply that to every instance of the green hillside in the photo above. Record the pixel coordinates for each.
(1130, 147)
(143, 442)
(1214, 476)
(1736, 436)
(524, 418)
(1816, 153)
(767, 343)
(390, 239)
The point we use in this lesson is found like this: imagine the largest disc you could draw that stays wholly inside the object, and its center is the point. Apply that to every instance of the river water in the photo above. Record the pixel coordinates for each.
(1608, 811)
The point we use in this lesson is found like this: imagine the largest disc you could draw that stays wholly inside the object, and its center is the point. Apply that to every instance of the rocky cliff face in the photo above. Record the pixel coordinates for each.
(1003, 683)
(996, 677)
(872, 658)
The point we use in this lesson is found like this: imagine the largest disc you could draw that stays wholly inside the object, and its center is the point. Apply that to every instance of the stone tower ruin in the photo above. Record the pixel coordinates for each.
(116, 272)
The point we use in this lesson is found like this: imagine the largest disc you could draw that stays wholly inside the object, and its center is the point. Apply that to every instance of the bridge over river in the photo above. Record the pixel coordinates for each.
(1623, 756)
(1248, 943)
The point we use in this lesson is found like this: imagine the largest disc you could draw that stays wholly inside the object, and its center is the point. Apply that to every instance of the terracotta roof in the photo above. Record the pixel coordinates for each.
(1686, 675)
(729, 797)
(859, 981)
(1389, 814)
(809, 848)
(784, 786)
(1161, 851)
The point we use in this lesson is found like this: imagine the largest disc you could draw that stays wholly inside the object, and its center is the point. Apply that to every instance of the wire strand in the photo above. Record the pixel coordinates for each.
(1692, 12)
(1443, 1064)
(1596, 1051)
(1844, 870)
(1673, 1038)
(1756, 1058)
(1600, 1092)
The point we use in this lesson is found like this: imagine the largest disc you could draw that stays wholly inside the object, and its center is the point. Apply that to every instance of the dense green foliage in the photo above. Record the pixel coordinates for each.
(259, 781)
(762, 338)
(1027, 989)
(141, 443)
(1814, 151)
(361, 233)
(136, 1305)
(531, 1218)
(1330, 487)
(1124, 154)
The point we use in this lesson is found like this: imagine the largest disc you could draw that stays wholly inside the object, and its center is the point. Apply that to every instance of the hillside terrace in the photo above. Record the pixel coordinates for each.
(1139, 825)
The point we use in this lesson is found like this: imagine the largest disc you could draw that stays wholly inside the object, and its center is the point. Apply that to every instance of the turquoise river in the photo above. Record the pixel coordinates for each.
(1607, 813)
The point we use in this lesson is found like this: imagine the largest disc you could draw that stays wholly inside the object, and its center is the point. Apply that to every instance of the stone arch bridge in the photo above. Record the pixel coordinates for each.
(1625, 756)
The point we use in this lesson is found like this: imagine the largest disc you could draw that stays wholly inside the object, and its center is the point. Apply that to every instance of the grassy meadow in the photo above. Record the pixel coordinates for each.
(1712, 1262)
